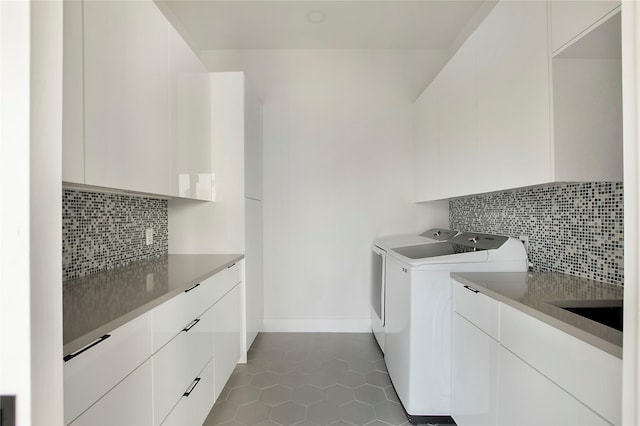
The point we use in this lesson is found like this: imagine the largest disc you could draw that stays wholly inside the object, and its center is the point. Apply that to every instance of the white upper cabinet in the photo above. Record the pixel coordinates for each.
(126, 96)
(493, 109)
(502, 114)
(587, 106)
(513, 98)
(427, 147)
(571, 19)
(458, 116)
(136, 104)
(72, 109)
(190, 133)
(252, 144)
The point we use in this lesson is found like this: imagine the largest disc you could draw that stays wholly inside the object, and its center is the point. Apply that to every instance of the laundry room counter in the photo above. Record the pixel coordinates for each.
(539, 294)
(101, 302)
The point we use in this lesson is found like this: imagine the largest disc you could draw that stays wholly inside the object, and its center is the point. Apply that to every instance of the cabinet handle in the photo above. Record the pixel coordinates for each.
(192, 387)
(191, 325)
(471, 289)
(191, 288)
(86, 348)
(231, 266)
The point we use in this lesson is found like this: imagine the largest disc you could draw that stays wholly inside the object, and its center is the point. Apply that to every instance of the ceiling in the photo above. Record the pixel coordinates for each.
(337, 24)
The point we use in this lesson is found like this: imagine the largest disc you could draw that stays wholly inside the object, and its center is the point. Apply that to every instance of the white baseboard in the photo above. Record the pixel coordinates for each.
(299, 325)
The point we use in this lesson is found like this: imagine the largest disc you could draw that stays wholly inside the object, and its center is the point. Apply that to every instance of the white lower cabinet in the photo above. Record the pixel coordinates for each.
(177, 364)
(93, 370)
(529, 398)
(196, 401)
(227, 333)
(475, 357)
(510, 368)
(475, 373)
(579, 368)
(167, 366)
(175, 314)
(129, 403)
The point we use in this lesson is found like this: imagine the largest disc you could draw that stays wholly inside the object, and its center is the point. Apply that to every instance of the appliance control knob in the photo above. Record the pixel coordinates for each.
(437, 234)
(474, 240)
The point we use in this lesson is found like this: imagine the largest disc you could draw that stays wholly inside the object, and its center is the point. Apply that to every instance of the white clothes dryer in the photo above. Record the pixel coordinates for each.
(378, 261)
(419, 314)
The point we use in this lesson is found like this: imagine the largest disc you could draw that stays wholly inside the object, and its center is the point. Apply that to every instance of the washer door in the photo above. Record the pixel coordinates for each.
(377, 282)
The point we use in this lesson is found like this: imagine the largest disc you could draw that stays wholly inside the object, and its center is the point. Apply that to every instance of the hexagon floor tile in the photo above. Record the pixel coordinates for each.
(310, 379)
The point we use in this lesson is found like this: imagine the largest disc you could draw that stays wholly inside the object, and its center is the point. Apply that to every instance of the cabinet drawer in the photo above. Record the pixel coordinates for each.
(172, 316)
(196, 401)
(178, 362)
(581, 369)
(95, 369)
(481, 310)
(129, 403)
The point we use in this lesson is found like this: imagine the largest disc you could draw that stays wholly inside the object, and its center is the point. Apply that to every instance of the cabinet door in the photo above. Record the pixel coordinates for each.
(127, 101)
(475, 375)
(514, 131)
(253, 270)
(129, 403)
(427, 171)
(72, 95)
(529, 398)
(190, 125)
(587, 107)
(580, 368)
(570, 19)
(252, 143)
(227, 325)
(457, 117)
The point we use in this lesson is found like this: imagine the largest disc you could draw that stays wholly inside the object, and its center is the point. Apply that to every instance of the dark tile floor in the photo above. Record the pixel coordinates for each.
(310, 379)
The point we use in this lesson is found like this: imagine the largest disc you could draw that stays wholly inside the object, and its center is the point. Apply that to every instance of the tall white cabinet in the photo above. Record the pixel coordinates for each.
(236, 133)
(233, 222)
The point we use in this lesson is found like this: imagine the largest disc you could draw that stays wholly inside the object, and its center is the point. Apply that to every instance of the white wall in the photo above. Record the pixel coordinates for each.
(30, 206)
(337, 173)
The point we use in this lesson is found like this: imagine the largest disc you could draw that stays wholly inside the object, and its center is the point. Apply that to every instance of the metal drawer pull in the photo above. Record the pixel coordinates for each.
(231, 266)
(191, 325)
(86, 348)
(471, 289)
(191, 288)
(192, 387)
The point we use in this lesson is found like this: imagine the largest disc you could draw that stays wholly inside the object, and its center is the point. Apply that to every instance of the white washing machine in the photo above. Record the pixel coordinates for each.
(419, 313)
(378, 261)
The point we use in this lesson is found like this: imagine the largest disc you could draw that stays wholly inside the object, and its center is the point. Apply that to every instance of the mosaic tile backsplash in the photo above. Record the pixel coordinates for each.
(105, 231)
(572, 228)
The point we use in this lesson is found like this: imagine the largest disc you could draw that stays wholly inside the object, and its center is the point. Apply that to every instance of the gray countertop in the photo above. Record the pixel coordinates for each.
(535, 292)
(99, 303)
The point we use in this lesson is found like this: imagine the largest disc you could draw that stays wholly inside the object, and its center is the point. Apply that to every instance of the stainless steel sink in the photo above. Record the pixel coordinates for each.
(606, 312)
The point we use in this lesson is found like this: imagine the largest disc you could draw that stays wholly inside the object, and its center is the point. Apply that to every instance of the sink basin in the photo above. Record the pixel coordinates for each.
(606, 312)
